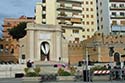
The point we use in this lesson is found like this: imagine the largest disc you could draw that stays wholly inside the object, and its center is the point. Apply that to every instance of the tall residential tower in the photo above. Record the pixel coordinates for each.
(103, 18)
(77, 17)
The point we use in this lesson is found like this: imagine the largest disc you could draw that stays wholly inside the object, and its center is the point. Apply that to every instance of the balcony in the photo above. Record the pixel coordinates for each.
(117, 17)
(71, 26)
(77, 16)
(69, 17)
(77, 25)
(44, 4)
(44, 12)
(117, 8)
(70, 9)
(44, 20)
(65, 22)
(71, 1)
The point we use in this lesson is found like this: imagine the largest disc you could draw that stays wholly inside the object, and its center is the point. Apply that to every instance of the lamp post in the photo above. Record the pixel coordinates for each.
(86, 72)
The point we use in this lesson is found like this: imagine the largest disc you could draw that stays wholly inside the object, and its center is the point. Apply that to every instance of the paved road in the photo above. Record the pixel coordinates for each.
(10, 80)
(90, 82)
(19, 80)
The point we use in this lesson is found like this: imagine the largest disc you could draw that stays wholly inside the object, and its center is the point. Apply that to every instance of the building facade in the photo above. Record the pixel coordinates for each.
(103, 18)
(89, 18)
(117, 16)
(77, 17)
(96, 49)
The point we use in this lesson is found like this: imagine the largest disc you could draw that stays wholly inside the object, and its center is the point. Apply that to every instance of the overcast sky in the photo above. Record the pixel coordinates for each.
(16, 8)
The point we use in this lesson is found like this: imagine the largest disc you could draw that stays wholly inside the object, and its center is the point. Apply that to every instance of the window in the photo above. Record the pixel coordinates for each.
(83, 9)
(76, 39)
(114, 13)
(1, 48)
(122, 14)
(100, 3)
(98, 28)
(88, 30)
(83, 16)
(87, 16)
(75, 31)
(121, 5)
(12, 50)
(100, 11)
(43, 22)
(87, 22)
(113, 5)
(101, 18)
(114, 22)
(87, 2)
(92, 30)
(87, 9)
(44, 8)
(97, 14)
(63, 30)
(83, 36)
(83, 30)
(88, 36)
(83, 22)
(92, 16)
(122, 22)
(44, 1)
(101, 26)
(91, 9)
(92, 23)
(91, 2)
(44, 16)
(62, 5)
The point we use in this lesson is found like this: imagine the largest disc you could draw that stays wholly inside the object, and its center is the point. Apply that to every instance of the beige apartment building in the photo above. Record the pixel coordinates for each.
(77, 17)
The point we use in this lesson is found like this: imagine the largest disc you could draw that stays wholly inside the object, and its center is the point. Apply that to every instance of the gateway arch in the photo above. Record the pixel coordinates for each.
(44, 43)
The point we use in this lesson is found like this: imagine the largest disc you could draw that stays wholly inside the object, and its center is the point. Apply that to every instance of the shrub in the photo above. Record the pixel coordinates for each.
(62, 72)
(31, 74)
(26, 70)
(65, 73)
(37, 70)
(72, 70)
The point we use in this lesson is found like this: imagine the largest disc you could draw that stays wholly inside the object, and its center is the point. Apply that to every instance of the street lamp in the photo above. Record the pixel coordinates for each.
(86, 72)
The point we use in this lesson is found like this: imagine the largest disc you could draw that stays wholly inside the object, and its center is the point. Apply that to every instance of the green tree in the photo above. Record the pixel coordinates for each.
(18, 31)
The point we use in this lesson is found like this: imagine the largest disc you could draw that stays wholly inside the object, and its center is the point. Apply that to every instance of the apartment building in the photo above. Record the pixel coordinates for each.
(103, 18)
(117, 16)
(77, 17)
(89, 18)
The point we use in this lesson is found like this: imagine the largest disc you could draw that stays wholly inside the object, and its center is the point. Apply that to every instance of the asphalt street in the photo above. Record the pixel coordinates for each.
(19, 80)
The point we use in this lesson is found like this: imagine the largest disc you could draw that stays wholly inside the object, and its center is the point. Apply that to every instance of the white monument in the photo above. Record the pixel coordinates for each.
(43, 43)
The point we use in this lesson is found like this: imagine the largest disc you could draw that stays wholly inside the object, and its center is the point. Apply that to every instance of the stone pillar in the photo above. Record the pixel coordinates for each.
(58, 45)
(31, 45)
